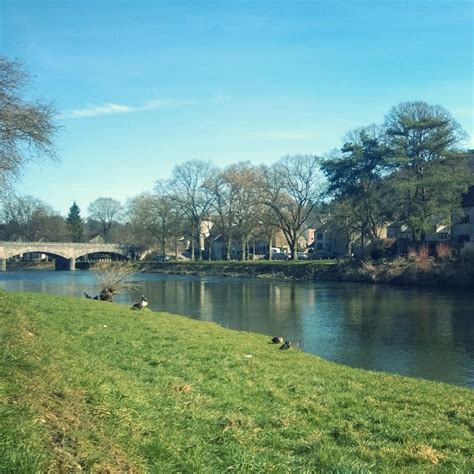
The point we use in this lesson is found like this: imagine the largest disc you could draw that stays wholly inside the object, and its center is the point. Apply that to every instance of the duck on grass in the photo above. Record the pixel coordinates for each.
(143, 303)
(286, 344)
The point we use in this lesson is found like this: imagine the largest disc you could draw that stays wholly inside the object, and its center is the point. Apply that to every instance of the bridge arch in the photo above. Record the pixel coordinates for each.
(102, 252)
(61, 261)
(14, 252)
(63, 251)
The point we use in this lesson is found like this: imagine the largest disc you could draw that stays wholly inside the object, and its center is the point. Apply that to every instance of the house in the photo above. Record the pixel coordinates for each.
(439, 233)
(462, 231)
(307, 238)
(328, 241)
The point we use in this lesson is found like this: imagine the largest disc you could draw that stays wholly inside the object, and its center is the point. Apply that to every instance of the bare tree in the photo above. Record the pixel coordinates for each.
(105, 210)
(156, 217)
(235, 204)
(114, 278)
(190, 190)
(27, 127)
(267, 226)
(291, 188)
(27, 218)
(244, 178)
(224, 210)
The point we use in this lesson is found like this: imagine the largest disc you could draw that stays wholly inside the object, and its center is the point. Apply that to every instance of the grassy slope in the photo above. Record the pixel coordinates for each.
(97, 386)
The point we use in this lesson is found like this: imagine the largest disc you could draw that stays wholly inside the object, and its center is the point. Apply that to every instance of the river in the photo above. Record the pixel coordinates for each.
(416, 332)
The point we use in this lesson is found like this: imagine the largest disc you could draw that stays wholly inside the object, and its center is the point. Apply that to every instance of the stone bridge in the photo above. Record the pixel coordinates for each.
(67, 251)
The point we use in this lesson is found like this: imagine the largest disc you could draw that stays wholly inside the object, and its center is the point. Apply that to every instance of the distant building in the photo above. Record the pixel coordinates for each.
(327, 241)
(439, 233)
(98, 239)
(462, 231)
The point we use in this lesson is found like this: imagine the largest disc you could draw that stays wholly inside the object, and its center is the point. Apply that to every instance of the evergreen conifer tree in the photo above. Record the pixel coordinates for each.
(75, 224)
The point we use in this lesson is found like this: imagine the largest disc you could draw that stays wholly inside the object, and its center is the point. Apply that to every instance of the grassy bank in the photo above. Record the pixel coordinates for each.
(301, 270)
(95, 386)
(401, 271)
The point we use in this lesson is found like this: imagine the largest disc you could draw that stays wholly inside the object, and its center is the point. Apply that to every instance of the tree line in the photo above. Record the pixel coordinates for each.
(411, 170)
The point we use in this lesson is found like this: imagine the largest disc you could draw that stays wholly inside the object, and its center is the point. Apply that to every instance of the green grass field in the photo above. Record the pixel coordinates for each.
(94, 386)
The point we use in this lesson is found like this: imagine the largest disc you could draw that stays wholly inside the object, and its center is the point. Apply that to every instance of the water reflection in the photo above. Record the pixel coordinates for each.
(413, 332)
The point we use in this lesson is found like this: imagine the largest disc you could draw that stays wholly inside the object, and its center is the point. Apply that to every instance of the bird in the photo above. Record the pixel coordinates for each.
(89, 297)
(277, 340)
(143, 303)
(107, 294)
(286, 345)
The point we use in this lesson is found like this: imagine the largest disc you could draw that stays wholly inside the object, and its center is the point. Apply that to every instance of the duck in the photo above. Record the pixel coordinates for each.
(89, 297)
(277, 340)
(143, 303)
(286, 345)
(107, 294)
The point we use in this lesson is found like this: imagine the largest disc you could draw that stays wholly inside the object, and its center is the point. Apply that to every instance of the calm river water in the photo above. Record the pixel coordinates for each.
(417, 332)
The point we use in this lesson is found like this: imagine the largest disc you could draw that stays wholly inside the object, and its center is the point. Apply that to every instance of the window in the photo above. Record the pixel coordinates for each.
(464, 238)
(465, 219)
(319, 236)
(319, 246)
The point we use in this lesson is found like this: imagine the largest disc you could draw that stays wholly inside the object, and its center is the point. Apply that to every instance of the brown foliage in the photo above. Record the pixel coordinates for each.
(443, 251)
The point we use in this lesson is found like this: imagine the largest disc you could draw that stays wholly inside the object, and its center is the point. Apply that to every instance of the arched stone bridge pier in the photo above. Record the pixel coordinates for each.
(68, 251)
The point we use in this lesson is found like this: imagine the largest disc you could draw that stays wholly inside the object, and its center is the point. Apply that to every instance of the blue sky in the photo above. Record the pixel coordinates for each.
(144, 85)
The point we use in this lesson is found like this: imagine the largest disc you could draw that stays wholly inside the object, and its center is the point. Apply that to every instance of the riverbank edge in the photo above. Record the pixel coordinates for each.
(451, 274)
(156, 369)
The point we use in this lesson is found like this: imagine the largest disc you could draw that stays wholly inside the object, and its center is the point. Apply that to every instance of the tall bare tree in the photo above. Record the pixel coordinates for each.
(245, 178)
(190, 189)
(105, 210)
(267, 226)
(224, 210)
(235, 204)
(156, 216)
(291, 188)
(27, 128)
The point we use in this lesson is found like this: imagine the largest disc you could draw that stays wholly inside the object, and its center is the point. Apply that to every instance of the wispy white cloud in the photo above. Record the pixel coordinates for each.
(96, 110)
(113, 109)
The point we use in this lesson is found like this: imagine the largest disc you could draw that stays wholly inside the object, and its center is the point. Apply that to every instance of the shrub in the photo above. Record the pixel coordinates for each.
(443, 251)
(114, 277)
(467, 254)
(422, 257)
(412, 254)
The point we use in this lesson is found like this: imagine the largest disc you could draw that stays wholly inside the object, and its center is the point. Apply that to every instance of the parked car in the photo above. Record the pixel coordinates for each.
(280, 256)
(302, 256)
(198, 254)
(322, 255)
